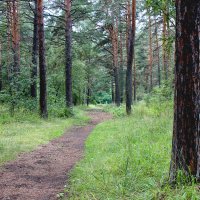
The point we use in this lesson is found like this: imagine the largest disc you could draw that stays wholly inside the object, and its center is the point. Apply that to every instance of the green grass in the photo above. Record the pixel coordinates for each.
(26, 130)
(129, 158)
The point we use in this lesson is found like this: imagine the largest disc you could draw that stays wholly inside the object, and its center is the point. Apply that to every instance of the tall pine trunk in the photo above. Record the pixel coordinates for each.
(150, 56)
(165, 61)
(117, 87)
(15, 36)
(131, 41)
(112, 89)
(68, 54)
(8, 16)
(134, 80)
(115, 61)
(113, 31)
(88, 93)
(42, 61)
(186, 133)
(1, 81)
(121, 71)
(34, 55)
(158, 54)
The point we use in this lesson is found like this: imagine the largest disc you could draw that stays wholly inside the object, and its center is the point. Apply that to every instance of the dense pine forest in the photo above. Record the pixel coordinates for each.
(99, 99)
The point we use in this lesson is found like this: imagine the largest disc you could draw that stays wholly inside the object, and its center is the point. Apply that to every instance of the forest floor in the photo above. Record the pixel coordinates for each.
(42, 173)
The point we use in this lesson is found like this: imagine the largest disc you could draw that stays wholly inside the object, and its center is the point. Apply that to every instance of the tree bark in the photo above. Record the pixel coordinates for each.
(113, 31)
(186, 133)
(158, 53)
(117, 90)
(68, 54)
(1, 81)
(134, 81)
(15, 36)
(131, 41)
(88, 94)
(128, 26)
(113, 89)
(42, 61)
(34, 55)
(150, 56)
(8, 16)
(121, 72)
(165, 62)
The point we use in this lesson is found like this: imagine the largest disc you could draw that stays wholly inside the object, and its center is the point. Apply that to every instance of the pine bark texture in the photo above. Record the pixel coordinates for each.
(113, 89)
(34, 55)
(1, 80)
(165, 61)
(68, 54)
(15, 36)
(186, 133)
(150, 56)
(42, 61)
(131, 41)
(88, 95)
(158, 53)
(121, 71)
(113, 31)
(134, 81)
(8, 16)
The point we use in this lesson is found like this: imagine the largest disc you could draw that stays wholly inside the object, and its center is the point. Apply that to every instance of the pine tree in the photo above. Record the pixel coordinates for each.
(42, 61)
(34, 54)
(68, 53)
(131, 41)
(186, 133)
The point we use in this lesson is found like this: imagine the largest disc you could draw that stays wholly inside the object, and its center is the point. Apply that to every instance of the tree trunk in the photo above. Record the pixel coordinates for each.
(116, 67)
(158, 53)
(34, 55)
(186, 133)
(121, 72)
(88, 95)
(113, 31)
(88, 92)
(150, 56)
(113, 90)
(15, 36)
(1, 81)
(165, 62)
(134, 80)
(128, 26)
(131, 41)
(117, 90)
(8, 16)
(42, 61)
(68, 53)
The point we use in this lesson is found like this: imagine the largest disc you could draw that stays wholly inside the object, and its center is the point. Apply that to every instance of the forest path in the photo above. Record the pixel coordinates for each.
(42, 173)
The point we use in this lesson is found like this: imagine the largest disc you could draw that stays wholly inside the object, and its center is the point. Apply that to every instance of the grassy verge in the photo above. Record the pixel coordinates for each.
(128, 158)
(25, 131)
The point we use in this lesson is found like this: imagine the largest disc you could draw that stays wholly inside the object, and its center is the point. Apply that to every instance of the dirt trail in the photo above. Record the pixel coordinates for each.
(42, 173)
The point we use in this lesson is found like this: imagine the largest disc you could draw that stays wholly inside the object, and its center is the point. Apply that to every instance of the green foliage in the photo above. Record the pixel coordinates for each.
(103, 98)
(129, 158)
(60, 110)
(115, 111)
(160, 99)
(16, 92)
